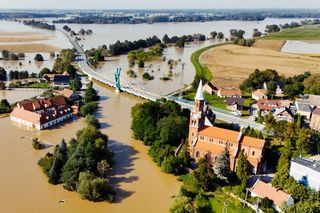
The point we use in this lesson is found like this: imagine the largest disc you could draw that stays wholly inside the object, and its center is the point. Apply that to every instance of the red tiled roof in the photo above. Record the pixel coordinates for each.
(265, 104)
(220, 133)
(263, 190)
(253, 142)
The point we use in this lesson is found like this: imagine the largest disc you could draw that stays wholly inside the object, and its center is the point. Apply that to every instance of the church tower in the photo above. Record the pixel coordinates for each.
(197, 117)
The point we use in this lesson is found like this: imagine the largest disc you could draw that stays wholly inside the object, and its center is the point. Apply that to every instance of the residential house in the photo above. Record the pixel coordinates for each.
(210, 88)
(229, 93)
(68, 94)
(259, 94)
(235, 104)
(265, 105)
(41, 113)
(303, 108)
(210, 141)
(314, 101)
(315, 119)
(284, 114)
(62, 80)
(263, 190)
(306, 172)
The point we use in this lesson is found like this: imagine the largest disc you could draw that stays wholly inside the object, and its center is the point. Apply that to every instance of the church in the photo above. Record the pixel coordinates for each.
(208, 141)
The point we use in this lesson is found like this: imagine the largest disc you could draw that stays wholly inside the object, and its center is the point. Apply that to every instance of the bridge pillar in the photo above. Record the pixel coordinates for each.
(117, 80)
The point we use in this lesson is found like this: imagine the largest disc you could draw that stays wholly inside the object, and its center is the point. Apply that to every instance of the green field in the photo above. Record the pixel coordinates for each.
(202, 71)
(300, 33)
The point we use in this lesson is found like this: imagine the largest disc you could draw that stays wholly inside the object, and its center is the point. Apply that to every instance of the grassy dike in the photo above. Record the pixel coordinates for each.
(201, 70)
(299, 33)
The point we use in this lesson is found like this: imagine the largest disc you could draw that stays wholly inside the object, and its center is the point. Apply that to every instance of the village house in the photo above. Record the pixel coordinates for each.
(210, 141)
(235, 104)
(283, 114)
(229, 93)
(263, 190)
(210, 88)
(306, 172)
(259, 94)
(68, 94)
(303, 108)
(62, 80)
(315, 119)
(41, 113)
(265, 105)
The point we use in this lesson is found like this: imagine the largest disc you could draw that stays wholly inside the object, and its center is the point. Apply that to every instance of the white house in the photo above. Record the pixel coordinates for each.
(306, 172)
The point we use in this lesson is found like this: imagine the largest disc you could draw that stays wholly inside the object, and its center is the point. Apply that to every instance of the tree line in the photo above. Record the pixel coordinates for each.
(39, 24)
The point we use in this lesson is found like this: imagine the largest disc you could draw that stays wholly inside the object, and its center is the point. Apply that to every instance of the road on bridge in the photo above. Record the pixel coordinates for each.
(132, 87)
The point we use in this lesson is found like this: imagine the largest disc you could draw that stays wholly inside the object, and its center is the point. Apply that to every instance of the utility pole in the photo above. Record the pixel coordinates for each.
(181, 80)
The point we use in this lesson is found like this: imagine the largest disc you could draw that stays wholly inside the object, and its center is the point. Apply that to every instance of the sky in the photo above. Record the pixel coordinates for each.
(158, 4)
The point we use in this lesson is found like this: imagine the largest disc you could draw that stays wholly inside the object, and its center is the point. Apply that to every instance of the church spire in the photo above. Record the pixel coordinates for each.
(199, 95)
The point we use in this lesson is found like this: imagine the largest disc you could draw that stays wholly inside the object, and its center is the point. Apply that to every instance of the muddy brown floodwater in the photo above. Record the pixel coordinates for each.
(140, 185)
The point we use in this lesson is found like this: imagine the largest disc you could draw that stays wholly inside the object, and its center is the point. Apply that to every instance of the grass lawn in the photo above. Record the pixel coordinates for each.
(40, 85)
(202, 70)
(212, 99)
(299, 33)
(232, 205)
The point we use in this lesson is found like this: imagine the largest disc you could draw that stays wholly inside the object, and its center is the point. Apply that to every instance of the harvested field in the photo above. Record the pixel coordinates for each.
(231, 64)
(29, 48)
(9, 39)
(275, 45)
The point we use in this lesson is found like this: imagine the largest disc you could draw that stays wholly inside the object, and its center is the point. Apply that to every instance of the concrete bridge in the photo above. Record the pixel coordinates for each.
(130, 86)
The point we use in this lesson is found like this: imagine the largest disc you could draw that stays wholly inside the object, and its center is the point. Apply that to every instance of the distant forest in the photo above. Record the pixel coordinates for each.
(18, 15)
(137, 17)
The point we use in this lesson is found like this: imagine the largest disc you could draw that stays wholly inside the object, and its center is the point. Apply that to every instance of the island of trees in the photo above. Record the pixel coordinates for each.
(39, 24)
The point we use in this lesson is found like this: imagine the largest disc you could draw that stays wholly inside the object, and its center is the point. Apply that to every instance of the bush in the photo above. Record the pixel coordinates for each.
(13, 57)
(92, 121)
(147, 76)
(36, 144)
(46, 162)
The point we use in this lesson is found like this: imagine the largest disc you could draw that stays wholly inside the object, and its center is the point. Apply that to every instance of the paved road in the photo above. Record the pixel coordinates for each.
(130, 86)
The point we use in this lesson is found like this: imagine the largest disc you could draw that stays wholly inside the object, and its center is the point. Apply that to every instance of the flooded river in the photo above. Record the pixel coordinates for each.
(140, 185)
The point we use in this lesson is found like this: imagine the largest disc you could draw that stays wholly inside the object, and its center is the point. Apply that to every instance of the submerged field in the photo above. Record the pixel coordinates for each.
(231, 64)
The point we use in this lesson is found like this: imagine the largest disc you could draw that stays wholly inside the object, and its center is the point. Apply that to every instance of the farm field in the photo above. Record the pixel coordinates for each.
(231, 64)
(300, 33)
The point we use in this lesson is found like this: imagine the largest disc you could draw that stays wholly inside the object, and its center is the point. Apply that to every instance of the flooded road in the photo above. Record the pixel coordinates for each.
(140, 185)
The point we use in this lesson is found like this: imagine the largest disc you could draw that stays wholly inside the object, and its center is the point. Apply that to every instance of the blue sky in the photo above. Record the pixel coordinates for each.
(158, 4)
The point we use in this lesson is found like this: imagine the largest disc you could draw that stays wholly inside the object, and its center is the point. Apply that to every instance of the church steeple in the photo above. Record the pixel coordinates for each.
(197, 117)
(199, 95)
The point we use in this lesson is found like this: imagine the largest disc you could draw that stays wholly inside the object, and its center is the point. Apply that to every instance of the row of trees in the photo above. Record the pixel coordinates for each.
(6, 55)
(292, 86)
(124, 47)
(39, 24)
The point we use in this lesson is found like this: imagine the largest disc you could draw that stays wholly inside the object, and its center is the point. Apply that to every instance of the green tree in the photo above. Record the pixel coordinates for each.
(92, 121)
(182, 204)
(223, 163)
(93, 188)
(88, 109)
(38, 57)
(13, 56)
(205, 175)
(243, 170)
(90, 94)
(282, 173)
(103, 168)
(43, 71)
(4, 106)
(76, 84)
(141, 63)
(60, 158)
(5, 54)
(46, 162)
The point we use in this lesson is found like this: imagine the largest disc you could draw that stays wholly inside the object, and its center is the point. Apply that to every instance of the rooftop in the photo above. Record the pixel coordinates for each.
(199, 95)
(220, 133)
(303, 105)
(314, 100)
(230, 92)
(265, 104)
(263, 189)
(316, 111)
(231, 101)
(311, 164)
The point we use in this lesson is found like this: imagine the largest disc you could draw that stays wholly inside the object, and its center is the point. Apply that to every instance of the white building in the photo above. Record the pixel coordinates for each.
(306, 172)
